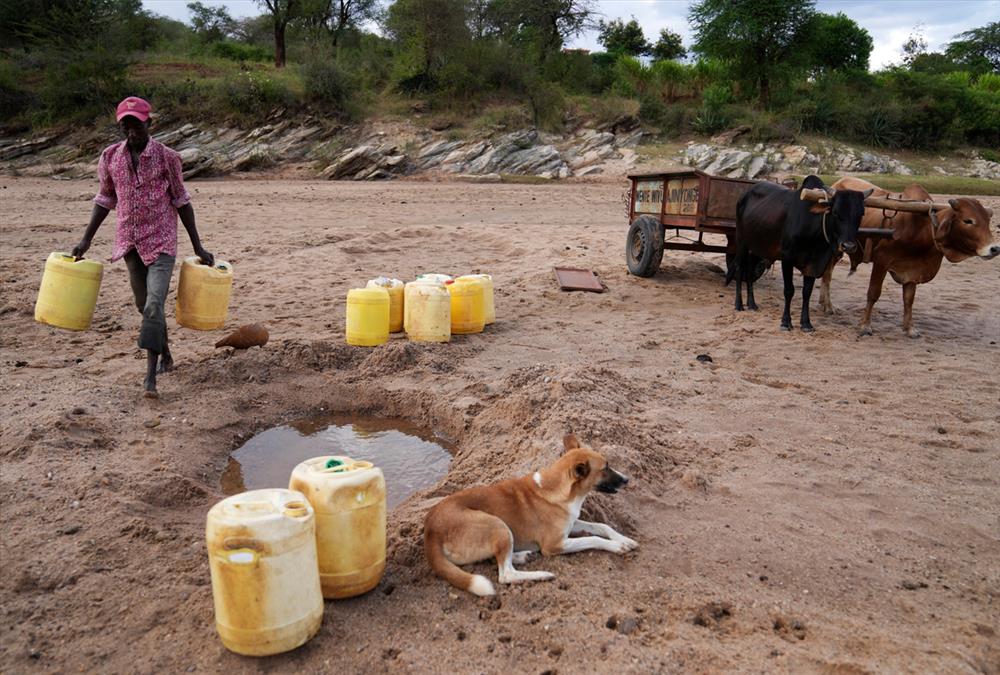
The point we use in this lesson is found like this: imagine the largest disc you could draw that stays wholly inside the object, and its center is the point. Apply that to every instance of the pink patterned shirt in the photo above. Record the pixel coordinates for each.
(146, 200)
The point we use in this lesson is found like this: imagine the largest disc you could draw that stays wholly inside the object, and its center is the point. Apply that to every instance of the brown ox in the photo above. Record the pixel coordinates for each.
(913, 255)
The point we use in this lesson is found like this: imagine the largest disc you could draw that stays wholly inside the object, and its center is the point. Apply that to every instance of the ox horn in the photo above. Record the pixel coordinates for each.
(830, 191)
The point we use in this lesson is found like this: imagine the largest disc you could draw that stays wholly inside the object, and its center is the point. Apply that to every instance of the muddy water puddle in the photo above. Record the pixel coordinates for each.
(411, 458)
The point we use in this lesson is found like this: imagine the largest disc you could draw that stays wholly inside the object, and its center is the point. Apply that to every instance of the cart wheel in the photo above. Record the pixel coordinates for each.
(644, 246)
(759, 268)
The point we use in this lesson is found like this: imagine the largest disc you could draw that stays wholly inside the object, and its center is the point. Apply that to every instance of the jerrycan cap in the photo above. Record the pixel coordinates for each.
(342, 465)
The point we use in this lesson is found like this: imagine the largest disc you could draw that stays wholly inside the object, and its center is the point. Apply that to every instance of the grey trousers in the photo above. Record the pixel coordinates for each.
(149, 286)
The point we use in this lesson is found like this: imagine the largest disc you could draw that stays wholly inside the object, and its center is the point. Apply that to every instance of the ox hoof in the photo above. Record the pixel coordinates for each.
(865, 331)
(752, 306)
(785, 327)
(913, 333)
(808, 329)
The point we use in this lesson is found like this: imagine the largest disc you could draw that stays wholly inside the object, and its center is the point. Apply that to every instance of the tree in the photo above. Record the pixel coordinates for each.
(211, 24)
(67, 25)
(915, 45)
(669, 47)
(836, 42)
(619, 37)
(759, 39)
(978, 48)
(281, 11)
(341, 15)
(427, 30)
(545, 25)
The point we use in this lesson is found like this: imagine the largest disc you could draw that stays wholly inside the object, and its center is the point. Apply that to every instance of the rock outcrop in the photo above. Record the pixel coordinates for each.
(761, 160)
(372, 155)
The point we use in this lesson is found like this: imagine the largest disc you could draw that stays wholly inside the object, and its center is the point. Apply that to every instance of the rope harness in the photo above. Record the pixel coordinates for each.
(935, 225)
(825, 235)
(886, 218)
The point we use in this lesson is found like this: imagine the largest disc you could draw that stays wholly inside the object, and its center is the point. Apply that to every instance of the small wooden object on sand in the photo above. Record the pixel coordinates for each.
(578, 279)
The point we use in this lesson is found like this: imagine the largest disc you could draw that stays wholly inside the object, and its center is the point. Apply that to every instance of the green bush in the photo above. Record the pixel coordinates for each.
(989, 82)
(251, 95)
(770, 127)
(82, 85)
(14, 98)
(631, 78)
(605, 110)
(239, 51)
(671, 78)
(327, 84)
(548, 106)
(676, 120)
(879, 127)
(710, 120)
(652, 109)
(980, 117)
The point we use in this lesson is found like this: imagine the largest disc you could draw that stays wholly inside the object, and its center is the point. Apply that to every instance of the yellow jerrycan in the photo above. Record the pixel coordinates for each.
(367, 316)
(488, 307)
(395, 289)
(427, 312)
(265, 580)
(349, 499)
(203, 294)
(468, 311)
(68, 294)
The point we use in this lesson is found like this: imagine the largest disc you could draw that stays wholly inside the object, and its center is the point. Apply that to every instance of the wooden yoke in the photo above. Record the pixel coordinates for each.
(910, 206)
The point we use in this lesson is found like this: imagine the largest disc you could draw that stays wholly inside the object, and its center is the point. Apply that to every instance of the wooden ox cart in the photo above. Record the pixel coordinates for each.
(675, 210)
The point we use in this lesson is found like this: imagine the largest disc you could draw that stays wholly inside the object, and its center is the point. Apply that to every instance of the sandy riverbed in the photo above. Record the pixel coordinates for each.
(839, 498)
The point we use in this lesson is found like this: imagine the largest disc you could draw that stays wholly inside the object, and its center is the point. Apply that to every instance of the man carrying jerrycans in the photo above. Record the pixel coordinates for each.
(142, 180)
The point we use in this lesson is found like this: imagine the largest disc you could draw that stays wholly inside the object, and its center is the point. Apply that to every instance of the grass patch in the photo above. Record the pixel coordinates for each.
(941, 185)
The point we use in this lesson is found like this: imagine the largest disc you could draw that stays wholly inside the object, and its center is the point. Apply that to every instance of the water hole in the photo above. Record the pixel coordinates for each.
(411, 458)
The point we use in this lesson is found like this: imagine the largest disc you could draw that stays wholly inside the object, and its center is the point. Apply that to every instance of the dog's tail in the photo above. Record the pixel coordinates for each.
(476, 584)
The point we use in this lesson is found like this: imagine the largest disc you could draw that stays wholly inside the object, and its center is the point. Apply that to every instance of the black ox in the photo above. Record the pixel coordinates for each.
(774, 222)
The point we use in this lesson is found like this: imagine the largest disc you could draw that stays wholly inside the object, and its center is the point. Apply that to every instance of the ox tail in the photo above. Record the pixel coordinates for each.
(476, 584)
(738, 257)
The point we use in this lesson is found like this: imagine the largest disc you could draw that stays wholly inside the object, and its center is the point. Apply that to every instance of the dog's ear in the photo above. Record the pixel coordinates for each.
(581, 470)
(570, 442)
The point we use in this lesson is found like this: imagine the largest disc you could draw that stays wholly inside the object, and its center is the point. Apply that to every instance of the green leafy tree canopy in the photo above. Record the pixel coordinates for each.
(836, 42)
(211, 24)
(619, 37)
(668, 47)
(759, 39)
(978, 48)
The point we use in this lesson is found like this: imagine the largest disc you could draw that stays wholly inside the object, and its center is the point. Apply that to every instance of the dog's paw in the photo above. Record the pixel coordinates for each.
(625, 545)
(521, 557)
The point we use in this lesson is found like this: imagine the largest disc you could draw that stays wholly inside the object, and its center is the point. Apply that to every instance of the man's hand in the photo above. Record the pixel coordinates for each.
(205, 257)
(81, 248)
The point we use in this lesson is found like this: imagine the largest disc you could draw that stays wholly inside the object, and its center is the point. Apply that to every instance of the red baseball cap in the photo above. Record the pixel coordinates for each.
(134, 106)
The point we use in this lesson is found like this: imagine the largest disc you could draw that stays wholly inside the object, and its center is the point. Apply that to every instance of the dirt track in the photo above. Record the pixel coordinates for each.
(838, 498)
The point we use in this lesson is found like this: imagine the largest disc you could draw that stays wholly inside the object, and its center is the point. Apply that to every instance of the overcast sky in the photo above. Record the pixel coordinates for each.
(889, 22)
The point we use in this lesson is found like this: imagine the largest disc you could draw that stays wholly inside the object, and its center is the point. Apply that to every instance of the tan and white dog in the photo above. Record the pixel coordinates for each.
(509, 520)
